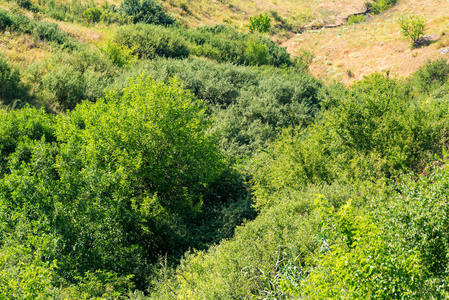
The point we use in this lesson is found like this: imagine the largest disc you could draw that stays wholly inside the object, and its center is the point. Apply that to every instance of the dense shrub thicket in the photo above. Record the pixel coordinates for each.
(78, 71)
(41, 30)
(249, 105)
(340, 193)
(354, 226)
(220, 43)
(107, 188)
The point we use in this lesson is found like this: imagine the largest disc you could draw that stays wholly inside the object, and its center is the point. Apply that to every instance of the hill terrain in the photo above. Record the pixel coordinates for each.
(345, 53)
(171, 149)
(295, 13)
(374, 45)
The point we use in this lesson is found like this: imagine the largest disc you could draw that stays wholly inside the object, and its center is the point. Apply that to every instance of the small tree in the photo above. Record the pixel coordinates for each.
(413, 27)
(260, 23)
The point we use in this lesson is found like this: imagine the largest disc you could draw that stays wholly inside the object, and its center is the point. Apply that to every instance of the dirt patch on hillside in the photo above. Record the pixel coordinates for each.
(349, 52)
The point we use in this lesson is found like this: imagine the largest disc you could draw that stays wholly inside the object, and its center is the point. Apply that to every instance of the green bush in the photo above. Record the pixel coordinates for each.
(114, 191)
(256, 53)
(263, 258)
(10, 85)
(413, 27)
(5, 20)
(374, 132)
(431, 76)
(66, 86)
(413, 214)
(49, 32)
(149, 41)
(92, 14)
(119, 55)
(21, 128)
(110, 17)
(260, 23)
(22, 23)
(146, 11)
(354, 19)
(225, 44)
(379, 6)
(27, 4)
(24, 276)
(41, 30)
(360, 264)
(250, 105)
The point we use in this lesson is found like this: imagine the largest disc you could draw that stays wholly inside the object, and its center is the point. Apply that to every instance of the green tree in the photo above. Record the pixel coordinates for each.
(110, 185)
(260, 23)
(413, 27)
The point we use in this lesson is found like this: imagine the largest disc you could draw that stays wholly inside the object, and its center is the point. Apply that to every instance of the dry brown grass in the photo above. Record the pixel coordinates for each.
(22, 51)
(348, 53)
(238, 12)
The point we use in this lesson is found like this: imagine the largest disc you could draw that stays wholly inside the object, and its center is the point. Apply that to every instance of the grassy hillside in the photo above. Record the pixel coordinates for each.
(295, 13)
(374, 45)
(345, 53)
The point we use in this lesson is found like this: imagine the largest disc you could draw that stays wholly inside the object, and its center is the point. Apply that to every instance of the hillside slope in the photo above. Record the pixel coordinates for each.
(294, 13)
(349, 52)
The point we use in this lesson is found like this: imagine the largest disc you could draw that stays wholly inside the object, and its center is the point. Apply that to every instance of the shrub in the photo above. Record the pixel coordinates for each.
(20, 127)
(110, 17)
(146, 11)
(66, 86)
(27, 4)
(263, 258)
(360, 263)
(113, 187)
(256, 53)
(5, 20)
(379, 6)
(413, 27)
(92, 14)
(22, 23)
(250, 105)
(149, 41)
(51, 33)
(414, 214)
(374, 132)
(225, 44)
(431, 76)
(354, 19)
(260, 23)
(10, 86)
(119, 55)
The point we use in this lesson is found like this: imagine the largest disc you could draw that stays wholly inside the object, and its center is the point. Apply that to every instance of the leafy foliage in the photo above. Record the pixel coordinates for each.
(92, 14)
(354, 19)
(379, 6)
(374, 132)
(249, 105)
(413, 27)
(432, 76)
(361, 264)
(5, 20)
(149, 41)
(107, 198)
(10, 85)
(260, 23)
(146, 11)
